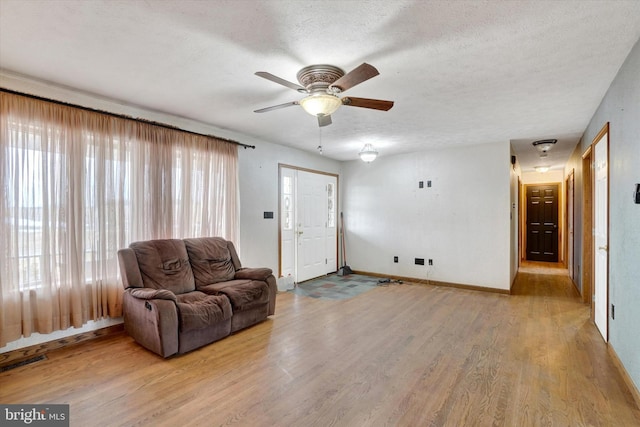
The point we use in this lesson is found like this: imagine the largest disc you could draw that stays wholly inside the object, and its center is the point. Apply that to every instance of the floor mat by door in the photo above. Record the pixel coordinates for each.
(336, 287)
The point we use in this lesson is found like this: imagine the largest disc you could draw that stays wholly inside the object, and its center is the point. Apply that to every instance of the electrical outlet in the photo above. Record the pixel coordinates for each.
(421, 184)
(419, 261)
(430, 261)
(395, 259)
(429, 184)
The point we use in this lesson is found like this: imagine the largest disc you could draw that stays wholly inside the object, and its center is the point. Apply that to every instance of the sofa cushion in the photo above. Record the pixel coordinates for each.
(164, 264)
(243, 294)
(198, 310)
(210, 260)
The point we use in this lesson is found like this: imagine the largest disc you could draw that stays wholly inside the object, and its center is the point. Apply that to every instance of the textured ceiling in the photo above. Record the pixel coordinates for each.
(460, 72)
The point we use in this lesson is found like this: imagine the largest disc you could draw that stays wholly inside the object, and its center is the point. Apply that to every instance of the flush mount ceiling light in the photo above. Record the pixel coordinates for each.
(368, 154)
(542, 169)
(544, 145)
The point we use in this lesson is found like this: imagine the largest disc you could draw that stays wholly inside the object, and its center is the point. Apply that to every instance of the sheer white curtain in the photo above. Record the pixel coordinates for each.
(77, 186)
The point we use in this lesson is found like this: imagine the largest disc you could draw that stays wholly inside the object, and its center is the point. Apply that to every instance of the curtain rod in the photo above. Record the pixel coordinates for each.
(123, 116)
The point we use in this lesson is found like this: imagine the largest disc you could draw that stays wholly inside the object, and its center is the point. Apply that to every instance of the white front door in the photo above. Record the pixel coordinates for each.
(308, 224)
(311, 225)
(601, 235)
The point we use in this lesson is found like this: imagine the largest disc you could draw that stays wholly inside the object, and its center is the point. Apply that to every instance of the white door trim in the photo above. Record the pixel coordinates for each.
(289, 241)
(601, 231)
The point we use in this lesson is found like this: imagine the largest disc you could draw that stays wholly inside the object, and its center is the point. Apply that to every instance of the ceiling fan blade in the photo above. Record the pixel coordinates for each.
(280, 81)
(324, 120)
(276, 107)
(375, 104)
(356, 76)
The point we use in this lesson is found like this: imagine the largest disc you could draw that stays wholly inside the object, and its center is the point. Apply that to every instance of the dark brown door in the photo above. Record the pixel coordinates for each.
(542, 223)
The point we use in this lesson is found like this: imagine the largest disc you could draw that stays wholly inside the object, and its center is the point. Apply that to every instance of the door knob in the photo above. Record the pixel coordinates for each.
(300, 232)
(605, 247)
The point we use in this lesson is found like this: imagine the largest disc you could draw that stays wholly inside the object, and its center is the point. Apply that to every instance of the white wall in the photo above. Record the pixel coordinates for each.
(551, 176)
(259, 193)
(461, 222)
(621, 108)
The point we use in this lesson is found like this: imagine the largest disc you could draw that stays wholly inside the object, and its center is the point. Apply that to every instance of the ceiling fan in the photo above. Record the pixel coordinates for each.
(323, 83)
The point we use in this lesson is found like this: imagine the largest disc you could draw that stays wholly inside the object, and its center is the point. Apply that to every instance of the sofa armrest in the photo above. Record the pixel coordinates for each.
(148, 294)
(266, 275)
(129, 270)
(253, 273)
(153, 323)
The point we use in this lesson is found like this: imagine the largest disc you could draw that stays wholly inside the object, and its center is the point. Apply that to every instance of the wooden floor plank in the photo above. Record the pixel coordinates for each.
(400, 355)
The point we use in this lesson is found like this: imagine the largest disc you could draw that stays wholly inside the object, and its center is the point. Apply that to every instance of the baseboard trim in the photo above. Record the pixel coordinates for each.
(625, 375)
(436, 283)
(16, 356)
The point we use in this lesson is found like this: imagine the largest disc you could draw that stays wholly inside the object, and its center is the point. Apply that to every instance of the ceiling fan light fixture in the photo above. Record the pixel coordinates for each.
(368, 154)
(320, 104)
(323, 83)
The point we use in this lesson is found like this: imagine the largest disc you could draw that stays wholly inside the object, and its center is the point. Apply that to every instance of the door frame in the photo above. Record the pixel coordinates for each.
(521, 253)
(570, 223)
(522, 199)
(282, 166)
(604, 131)
(587, 228)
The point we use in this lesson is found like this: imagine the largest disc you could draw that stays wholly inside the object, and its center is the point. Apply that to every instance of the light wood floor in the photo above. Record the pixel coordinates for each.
(402, 355)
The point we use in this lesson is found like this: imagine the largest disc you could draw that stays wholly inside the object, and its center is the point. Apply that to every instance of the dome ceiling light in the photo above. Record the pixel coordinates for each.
(544, 145)
(368, 154)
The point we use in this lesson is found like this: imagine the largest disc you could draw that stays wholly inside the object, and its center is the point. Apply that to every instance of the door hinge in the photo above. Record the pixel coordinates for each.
(325, 261)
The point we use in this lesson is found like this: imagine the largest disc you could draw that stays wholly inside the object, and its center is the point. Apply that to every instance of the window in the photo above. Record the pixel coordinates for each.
(79, 185)
(331, 203)
(287, 211)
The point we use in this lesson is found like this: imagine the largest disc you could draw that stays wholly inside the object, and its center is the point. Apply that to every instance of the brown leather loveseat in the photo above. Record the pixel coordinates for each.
(182, 294)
